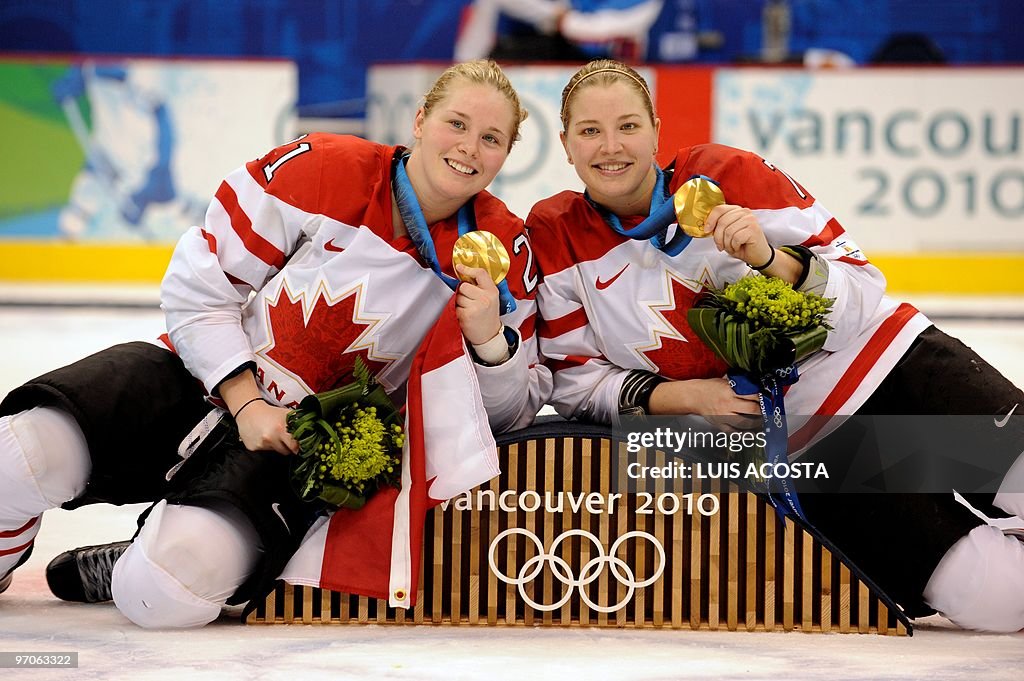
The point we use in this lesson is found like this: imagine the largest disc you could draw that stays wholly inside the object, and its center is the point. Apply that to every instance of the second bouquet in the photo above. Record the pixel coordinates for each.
(761, 327)
(761, 324)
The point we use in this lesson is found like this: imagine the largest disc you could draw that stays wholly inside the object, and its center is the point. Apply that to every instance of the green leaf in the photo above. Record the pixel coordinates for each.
(703, 322)
(743, 354)
(809, 342)
(341, 497)
(361, 374)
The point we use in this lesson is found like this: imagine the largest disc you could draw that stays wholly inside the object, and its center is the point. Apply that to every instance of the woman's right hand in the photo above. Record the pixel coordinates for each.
(477, 305)
(712, 398)
(263, 427)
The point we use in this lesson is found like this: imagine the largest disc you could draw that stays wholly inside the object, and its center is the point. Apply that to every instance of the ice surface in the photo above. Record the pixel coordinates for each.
(34, 340)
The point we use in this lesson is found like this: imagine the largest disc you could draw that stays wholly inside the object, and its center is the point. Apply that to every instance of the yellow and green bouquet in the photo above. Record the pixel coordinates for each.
(761, 324)
(350, 442)
(761, 327)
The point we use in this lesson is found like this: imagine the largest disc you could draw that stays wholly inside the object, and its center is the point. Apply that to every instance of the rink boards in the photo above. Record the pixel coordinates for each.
(558, 540)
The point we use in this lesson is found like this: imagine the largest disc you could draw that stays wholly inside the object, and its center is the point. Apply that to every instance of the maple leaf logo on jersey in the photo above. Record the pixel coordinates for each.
(319, 345)
(674, 350)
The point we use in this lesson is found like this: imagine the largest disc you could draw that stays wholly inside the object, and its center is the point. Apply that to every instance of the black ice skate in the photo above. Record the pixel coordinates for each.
(83, 574)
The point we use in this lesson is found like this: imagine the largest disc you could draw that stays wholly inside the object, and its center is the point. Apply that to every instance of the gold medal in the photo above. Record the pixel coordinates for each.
(484, 250)
(693, 202)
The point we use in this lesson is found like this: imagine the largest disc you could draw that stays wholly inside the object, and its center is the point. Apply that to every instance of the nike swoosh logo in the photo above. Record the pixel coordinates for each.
(1000, 424)
(602, 285)
(276, 508)
(329, 246)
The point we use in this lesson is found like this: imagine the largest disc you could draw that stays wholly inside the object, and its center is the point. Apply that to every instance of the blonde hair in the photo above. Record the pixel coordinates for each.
(605, 72)
(482, 72)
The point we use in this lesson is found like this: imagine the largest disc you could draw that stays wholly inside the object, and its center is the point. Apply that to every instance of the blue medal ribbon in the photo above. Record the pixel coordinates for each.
(773, 413)
(655, 226)
(419, 233)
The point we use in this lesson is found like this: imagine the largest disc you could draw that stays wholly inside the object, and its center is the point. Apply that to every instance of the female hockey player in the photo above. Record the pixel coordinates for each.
(614, 332)
(327, 249)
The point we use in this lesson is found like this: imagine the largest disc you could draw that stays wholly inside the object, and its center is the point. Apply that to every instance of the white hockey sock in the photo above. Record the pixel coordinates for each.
(979, 583)
(185, 563)
(44, 462)
(15, 542)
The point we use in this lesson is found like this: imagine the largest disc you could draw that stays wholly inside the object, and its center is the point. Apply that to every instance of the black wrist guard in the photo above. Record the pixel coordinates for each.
(635, 396)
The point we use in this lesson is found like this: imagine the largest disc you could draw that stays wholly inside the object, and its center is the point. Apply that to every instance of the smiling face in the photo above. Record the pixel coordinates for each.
(610, 139)
(461, 144)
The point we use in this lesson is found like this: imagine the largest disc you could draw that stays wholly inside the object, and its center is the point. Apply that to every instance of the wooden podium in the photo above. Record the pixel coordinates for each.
(558, 539)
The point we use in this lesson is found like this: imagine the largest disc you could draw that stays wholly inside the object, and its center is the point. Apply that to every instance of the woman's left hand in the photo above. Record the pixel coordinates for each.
(476, 305)
(737, 232)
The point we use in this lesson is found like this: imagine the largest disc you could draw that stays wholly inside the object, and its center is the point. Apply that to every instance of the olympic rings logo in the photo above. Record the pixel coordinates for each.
(563, 571)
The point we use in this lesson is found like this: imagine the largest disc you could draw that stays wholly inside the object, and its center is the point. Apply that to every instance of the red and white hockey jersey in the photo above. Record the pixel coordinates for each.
(297, 270)
(610, 304)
